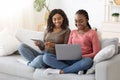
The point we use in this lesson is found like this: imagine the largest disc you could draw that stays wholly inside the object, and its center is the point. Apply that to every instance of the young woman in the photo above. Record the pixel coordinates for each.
(57, 32)
(89, 42)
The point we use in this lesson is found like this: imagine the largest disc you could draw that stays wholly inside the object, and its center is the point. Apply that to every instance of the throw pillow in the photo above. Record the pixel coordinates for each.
(110, 41)
(25, 36)
(103, 54)
(8, 43)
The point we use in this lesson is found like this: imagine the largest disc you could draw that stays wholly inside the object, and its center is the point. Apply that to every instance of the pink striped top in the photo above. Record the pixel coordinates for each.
(89, 42)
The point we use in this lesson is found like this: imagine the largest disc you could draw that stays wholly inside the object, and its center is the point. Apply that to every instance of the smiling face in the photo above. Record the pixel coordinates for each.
(57, 20)
(80, 21)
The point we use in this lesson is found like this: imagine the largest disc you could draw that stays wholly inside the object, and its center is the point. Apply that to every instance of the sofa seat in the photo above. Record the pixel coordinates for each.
(39, 74)
(10, 65)
(4, 76)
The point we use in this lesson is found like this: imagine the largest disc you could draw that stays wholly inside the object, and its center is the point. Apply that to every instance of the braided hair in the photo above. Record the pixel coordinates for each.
(83, 12)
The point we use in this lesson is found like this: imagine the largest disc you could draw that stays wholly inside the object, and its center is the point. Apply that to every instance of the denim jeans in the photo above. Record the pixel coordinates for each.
(68, 66)
(34, 57)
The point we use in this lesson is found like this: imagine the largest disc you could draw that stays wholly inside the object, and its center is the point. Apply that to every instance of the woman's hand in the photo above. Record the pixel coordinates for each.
(37, 43)
(50, 44)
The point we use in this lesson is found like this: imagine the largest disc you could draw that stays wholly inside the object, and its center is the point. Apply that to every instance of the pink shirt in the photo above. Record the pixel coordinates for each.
(89, 42)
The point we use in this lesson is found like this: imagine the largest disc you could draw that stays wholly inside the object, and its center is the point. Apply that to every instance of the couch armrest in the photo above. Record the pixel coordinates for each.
(109, 69)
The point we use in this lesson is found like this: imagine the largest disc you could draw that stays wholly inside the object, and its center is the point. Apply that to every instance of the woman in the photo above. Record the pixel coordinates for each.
(89, 42)
(57, 32)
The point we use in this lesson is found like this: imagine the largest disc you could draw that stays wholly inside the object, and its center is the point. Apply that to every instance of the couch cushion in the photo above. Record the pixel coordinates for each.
(39, 75)
(110, 41)
(11, 77)
(10, 65)
(25, 36)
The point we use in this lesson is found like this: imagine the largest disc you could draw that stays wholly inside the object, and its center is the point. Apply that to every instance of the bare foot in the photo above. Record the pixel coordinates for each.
(61, 72)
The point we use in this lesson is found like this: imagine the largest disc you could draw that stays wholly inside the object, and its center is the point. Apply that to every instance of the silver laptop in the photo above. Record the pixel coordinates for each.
(68, 51)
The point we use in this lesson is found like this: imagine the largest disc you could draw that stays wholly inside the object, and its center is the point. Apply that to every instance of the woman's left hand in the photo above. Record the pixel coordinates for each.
(37, 43)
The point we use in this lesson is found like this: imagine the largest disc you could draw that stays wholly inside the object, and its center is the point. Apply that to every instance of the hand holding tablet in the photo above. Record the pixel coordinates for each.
(38, 42)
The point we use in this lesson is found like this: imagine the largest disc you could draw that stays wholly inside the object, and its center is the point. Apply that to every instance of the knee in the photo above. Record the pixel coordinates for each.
(87, 62)
(46, 58)
(39, 58)
(22, 46)
(88, 59)
(37, 62)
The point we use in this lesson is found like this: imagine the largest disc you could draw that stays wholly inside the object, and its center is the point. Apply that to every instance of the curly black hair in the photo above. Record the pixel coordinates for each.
(50, 25)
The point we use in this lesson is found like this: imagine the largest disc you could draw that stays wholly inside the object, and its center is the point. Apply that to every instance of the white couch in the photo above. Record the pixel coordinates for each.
(11, 69)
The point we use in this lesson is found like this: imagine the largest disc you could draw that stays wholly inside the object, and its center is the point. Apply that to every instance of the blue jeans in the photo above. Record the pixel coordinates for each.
(34, 57)
(68, 66)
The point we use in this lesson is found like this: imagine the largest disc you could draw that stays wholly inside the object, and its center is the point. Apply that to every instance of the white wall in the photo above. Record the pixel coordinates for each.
(17, 14)
(95, 9)
(23, 15)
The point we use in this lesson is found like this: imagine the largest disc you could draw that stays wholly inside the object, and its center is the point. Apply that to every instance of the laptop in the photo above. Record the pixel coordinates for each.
(68, 51)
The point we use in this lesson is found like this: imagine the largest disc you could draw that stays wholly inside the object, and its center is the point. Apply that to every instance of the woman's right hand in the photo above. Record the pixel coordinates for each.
(50, 44)
(37, 43)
